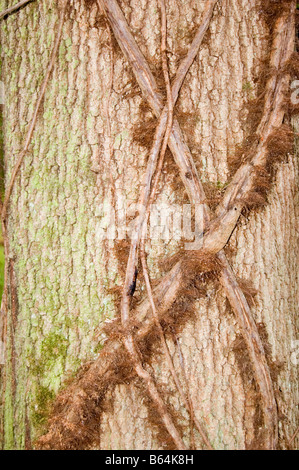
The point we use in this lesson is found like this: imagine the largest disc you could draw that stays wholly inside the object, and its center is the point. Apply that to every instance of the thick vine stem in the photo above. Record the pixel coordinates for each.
(14, 8)
(165, 125)
(293, 437)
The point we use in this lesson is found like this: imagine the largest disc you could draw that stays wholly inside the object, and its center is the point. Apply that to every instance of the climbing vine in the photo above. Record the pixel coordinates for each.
(78, 407)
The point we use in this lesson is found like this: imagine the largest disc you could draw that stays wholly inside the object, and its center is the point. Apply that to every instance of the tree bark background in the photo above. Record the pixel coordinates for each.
(61, 267)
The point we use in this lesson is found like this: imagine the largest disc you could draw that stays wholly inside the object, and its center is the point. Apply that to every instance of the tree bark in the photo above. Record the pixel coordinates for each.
(82, 159)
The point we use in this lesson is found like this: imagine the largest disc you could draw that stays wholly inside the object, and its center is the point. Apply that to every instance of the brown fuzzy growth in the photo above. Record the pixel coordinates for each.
(184, 309)
(188, 122)
(258, 196)
(293, 65)
(297, 28)
(89, 3)
(121, 250)
(174, 178)
(279, 144)
(101, 22)
(275, 367)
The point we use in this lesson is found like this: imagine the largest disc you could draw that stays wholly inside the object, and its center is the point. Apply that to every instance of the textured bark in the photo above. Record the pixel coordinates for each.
(63, 270)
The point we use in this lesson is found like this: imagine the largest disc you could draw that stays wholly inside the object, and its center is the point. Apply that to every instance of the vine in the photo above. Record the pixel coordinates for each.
(14, 8)
(83, 398)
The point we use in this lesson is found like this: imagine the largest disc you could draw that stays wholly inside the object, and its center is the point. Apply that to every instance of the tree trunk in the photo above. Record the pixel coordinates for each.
(84, 157)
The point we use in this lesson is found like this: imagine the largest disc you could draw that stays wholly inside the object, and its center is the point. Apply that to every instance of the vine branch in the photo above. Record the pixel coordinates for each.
(147, 195)
(293, 437)
(218, 229)
(14, 8)
(170, 104)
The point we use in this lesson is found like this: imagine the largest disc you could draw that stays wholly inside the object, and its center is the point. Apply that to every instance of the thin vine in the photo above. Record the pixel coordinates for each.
(219, 230)
(215, 236)
(14, 8)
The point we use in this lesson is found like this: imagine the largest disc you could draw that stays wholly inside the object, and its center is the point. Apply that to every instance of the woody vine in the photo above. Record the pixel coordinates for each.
(78, 407)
